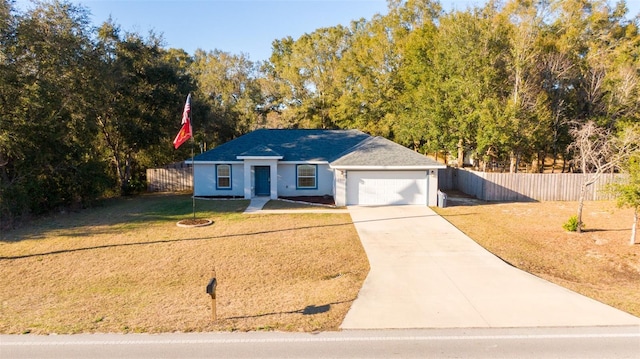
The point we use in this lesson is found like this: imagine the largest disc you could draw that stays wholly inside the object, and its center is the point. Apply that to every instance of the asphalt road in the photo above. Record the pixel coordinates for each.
(583, 342)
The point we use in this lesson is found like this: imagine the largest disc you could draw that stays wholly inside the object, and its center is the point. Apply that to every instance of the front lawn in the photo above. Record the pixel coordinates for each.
(126, 267)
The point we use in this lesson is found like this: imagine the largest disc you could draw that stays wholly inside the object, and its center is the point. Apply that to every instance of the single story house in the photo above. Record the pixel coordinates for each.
(349, 165)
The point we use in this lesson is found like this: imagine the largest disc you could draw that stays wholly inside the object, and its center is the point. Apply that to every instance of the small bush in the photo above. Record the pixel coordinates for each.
(572, 224)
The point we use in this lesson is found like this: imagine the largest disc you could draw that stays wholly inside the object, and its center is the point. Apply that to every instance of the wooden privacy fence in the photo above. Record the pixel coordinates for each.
(487, 186)
(177, 177)
(490, 186)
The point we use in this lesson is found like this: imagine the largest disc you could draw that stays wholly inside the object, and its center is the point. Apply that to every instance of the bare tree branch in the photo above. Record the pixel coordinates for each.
(597, 151)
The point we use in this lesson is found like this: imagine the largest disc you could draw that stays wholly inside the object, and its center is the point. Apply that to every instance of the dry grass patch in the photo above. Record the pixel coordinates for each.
(598, 263)
(127, 267)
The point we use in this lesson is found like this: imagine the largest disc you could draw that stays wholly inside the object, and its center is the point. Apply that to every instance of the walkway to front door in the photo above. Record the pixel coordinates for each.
(262, 180)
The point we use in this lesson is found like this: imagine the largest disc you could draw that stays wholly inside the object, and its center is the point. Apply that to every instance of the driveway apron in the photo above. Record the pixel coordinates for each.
(425, 273)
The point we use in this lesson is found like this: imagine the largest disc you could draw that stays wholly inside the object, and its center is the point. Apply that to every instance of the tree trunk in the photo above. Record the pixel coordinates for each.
(113, 146)
(535, 164)
(583, 191)
(460, 153)
(635, 225)
(512, 162)
(127, 169)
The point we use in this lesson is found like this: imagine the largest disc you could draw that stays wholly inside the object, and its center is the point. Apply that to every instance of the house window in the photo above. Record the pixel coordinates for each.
(223, 175)
(307, 176)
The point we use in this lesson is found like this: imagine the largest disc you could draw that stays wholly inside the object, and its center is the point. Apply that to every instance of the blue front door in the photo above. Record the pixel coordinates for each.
(263, 185)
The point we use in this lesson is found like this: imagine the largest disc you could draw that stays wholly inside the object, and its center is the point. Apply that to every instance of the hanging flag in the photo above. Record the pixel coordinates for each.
(186, 131)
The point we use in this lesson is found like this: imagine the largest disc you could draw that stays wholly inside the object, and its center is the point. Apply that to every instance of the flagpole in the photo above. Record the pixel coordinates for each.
(186, 131)
(193, 166)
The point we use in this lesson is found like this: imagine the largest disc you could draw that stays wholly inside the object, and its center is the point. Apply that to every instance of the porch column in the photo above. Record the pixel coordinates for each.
(340, 187)
(274, 180)
(248, 181)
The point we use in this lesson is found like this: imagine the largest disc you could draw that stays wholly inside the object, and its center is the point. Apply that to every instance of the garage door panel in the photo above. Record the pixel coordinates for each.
(367, 188)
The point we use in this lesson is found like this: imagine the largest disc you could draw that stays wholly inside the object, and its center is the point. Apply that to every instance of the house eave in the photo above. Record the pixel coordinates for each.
(214, 162)
(319, 162)
(392, 168)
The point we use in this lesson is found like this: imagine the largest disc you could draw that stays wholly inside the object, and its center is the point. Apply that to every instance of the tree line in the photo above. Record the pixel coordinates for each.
(84, 110)
(502, 84)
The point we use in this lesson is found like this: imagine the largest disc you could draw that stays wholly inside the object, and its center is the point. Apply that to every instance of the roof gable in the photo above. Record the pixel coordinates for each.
(260, 151)
(381, 152)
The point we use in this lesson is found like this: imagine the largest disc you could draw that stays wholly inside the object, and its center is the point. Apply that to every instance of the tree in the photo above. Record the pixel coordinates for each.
(368, 76)
(136, 104)
(284, 91)
(306, 76)
(228, 96)
(628, 192)
(417, 125)
(597, 151)
(8, 88)
(11, 150)
(527, 117)
(603, 45)
(49, 157)
(453, 76)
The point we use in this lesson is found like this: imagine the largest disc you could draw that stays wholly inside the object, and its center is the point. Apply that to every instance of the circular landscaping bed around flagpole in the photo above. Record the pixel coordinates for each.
(190, 223)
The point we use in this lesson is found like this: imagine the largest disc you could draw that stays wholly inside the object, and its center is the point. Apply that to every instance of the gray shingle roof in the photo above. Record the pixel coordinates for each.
(261, 151)
(292, 145)
(380, 152)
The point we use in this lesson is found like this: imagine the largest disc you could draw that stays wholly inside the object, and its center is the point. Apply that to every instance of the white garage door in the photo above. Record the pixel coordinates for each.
(368, 188)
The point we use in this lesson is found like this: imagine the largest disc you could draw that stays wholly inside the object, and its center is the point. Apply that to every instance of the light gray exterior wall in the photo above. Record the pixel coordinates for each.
(287, 181)
(205, 180)
(241, 173)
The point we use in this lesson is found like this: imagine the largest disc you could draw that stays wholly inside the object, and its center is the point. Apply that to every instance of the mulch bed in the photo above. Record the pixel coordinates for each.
(328, 200)
(219, 197)
(195, 222)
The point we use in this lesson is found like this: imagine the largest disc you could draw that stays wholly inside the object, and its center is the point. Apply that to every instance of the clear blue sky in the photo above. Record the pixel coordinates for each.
(239, 26)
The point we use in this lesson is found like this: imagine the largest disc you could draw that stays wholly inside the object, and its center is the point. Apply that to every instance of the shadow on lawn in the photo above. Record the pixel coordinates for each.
(587, 230)
(198, 239)
(168, 241)
(308, 310)
(114, 215)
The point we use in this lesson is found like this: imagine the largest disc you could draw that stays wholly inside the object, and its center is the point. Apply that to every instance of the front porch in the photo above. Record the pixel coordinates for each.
(260, 178)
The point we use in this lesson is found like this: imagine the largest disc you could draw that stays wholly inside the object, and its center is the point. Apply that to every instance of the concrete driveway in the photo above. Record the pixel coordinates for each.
(425, 273)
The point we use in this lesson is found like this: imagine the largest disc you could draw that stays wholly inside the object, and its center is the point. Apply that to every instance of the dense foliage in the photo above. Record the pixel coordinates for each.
(84, 110)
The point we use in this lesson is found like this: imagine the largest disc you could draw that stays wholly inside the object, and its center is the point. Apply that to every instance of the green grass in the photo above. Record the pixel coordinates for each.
(127, 213)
